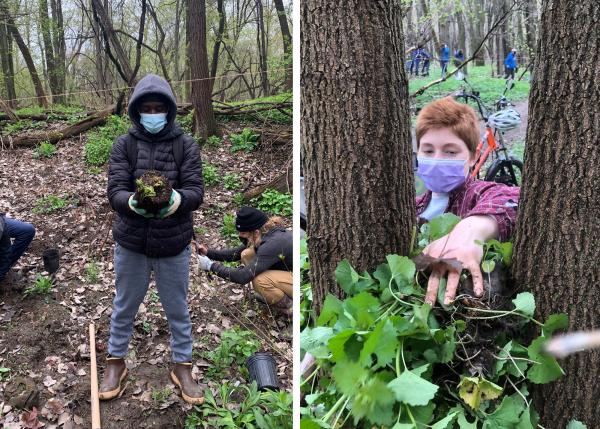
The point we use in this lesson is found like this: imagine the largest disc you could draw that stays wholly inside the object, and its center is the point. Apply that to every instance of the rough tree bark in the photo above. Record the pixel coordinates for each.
(557, 242)
(204, 118)
(287, 43)
(6, 61)
(355, 136)
(262, 48)
(45, 25)
(39, 89)
(60, 49)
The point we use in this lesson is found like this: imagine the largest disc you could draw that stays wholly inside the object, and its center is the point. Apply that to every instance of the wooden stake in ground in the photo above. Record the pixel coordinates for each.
(94, 380)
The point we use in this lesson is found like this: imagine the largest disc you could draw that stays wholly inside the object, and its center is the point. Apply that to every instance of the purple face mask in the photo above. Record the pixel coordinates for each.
(441, 175)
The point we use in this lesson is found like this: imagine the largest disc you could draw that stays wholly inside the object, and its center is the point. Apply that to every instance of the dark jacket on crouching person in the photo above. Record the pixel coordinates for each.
(275, 252)
(154, 237)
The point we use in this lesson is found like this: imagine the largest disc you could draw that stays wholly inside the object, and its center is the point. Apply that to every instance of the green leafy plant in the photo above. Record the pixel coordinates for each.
(145, 191)
(185, 122)
(306, 312)
(100, 141)
(228, 230)
(50, 204)
(235, 347)
(223, 409)
(210, 174)
(92, 272)
(94, 170)
(200, 230)
(213, 142)
(42, 286)
(386, 359)
(161, 395)
(238, 199)
(232, 181)
(274, 202)
(247, 141)
(4, 373)
(44, 150)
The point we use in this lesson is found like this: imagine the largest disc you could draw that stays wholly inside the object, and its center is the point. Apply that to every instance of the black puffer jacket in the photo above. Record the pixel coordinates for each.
(154, 237)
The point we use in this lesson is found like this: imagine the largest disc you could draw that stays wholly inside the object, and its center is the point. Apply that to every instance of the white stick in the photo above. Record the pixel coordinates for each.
(94, 380)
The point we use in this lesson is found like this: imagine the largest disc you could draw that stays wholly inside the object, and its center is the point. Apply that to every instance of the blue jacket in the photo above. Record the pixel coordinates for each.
(511, 61)
(445, 53)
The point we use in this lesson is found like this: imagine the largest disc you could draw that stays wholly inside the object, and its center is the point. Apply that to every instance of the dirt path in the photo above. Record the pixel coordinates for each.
(43, 339)
(518, 134)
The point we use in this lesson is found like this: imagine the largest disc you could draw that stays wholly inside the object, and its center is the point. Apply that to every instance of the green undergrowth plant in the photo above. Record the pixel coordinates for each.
(228, 230)
(242, 406)
(22, 125)
(41, 286)
(213, 142)
(236, 345)
(44, 150)
(210, 175)
(274, 202)
(92, 272)
(386, 359)
(232, 181)
(4, 373)
(247, 141)
(100, 141)
(50, 204)
(238, 199)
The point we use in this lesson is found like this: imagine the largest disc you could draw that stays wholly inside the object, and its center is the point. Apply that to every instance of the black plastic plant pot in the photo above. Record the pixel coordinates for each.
(51, 258)
(263, 369)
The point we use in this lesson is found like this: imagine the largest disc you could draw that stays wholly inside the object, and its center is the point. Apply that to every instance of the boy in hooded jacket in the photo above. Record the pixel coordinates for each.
(147, 242)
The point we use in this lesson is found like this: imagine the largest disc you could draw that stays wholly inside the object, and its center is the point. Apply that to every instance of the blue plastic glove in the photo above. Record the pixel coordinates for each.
(133, 205)
(174, 203)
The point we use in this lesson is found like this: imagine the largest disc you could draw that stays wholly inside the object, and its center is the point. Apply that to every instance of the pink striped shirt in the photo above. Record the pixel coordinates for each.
(478, 197)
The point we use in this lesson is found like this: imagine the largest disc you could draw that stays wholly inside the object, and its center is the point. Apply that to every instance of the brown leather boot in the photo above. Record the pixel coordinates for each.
(181, 374)
(285, 306)
(114, 374)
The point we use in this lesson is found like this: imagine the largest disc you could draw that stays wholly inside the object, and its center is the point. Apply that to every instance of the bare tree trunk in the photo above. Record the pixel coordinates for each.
(112, 43)
(204, 119)
(60, 50)
(45, 25)
(39, 89)
(557, 243)
(287, 43)
(176, 47)
(6, 62)
(262, 47)
(218, 40)
(355, 136)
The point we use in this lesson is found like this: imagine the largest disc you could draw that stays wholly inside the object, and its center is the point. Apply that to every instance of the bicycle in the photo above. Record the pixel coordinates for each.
(504, 168)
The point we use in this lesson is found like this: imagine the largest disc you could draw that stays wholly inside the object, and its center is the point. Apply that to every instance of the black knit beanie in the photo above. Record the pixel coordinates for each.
(250, 219)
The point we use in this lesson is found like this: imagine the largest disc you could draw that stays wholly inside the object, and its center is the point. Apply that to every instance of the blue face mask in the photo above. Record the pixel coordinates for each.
(153, 122)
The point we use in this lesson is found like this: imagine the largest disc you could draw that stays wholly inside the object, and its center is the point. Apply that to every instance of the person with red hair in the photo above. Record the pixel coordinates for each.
(447, 135)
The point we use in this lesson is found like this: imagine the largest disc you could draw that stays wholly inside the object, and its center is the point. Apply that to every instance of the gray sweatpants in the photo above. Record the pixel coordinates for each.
(132, 277)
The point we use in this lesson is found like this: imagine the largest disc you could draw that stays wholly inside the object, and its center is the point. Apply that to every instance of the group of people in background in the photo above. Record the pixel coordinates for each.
(421, 58)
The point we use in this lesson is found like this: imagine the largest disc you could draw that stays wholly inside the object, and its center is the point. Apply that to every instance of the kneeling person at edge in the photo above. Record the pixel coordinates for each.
(266, 256)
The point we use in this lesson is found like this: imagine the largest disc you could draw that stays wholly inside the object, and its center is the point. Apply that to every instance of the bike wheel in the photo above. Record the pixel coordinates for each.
(507, 171)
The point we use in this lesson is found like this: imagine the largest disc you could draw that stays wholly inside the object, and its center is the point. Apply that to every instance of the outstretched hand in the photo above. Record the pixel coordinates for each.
(464, 244)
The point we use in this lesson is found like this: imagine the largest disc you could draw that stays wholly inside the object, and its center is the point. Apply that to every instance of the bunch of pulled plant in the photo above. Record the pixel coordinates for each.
(384, 358)
(152, 192)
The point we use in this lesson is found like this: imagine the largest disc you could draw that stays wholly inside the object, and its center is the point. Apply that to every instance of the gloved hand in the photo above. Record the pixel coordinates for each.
(133, 205)
(204, 262)
(174, 203)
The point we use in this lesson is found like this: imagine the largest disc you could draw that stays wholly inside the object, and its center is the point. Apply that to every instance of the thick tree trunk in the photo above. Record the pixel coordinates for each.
(6, 61)
(557, 243)
(60, 50)
(176, 30)
(262, 48)
(45, 25)
(287, 43)
(39, 89)
(355, 136)
(204, 118)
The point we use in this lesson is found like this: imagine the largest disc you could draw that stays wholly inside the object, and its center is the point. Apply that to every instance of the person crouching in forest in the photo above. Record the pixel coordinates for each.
(153, 242)
(447, 137)
(266, 255)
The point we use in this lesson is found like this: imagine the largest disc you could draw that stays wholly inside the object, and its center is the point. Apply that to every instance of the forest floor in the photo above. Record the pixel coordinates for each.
(44, 350)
